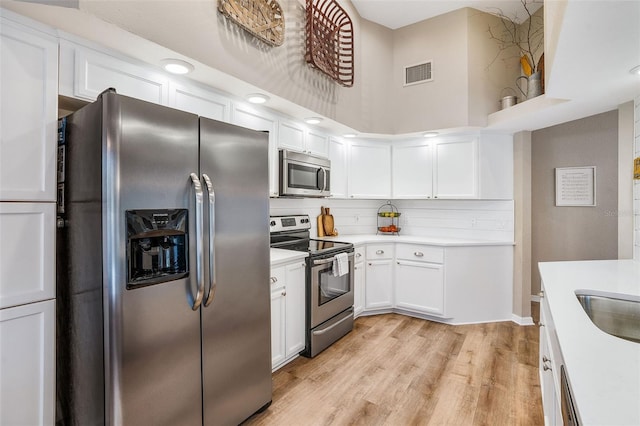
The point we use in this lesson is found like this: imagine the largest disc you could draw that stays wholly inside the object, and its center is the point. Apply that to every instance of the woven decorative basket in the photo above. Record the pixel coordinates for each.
(262, 19)
(329, 40)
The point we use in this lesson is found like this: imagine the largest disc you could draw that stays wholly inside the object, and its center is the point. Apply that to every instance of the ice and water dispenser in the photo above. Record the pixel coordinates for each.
(157, 246)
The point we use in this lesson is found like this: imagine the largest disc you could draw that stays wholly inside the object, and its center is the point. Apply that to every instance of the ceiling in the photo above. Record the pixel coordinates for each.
(399, 13)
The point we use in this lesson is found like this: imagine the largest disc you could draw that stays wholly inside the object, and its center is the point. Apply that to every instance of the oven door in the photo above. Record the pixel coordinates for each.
(330, 295)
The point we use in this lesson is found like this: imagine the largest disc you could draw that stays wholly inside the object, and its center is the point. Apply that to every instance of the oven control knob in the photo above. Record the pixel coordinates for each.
(273, 223)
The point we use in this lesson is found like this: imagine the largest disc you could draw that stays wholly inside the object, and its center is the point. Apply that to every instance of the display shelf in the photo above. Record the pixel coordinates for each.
(388, 219)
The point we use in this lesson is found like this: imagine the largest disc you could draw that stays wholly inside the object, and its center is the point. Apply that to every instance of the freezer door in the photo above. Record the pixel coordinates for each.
(152, 333)
(236, 319)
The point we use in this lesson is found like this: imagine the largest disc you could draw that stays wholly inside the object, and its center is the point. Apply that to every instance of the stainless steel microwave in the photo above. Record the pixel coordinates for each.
(304, 175)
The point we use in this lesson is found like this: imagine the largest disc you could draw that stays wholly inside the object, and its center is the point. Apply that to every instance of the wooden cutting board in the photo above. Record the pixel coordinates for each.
(321, 223)
(327, 221)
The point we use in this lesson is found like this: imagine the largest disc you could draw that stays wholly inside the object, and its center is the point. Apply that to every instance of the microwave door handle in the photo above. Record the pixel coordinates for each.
(197, 187)
(324, 180)
(212, 253)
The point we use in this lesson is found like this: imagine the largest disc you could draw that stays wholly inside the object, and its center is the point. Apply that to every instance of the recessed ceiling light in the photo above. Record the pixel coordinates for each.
(635, 70)
(430, 134)
(349, 135)
(313, 120)
(177, 66)
(257, 98)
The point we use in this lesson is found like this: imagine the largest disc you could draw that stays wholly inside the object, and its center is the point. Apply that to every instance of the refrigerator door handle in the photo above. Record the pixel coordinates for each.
(212, 252)
(199, 239)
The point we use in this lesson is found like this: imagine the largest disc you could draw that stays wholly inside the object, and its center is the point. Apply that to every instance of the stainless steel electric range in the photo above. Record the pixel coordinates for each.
(329, 296)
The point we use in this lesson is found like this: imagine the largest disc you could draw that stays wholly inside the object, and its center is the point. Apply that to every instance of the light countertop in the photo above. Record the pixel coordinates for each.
(436, 241)
(280, 256)
(603, 370)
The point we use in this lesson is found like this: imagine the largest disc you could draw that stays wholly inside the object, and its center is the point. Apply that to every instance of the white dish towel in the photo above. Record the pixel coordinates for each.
(340, 264)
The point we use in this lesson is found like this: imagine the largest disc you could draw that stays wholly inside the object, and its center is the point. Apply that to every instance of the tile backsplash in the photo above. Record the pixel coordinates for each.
(476, 219)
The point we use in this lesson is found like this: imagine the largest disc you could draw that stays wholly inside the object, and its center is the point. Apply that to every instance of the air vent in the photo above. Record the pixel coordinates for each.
(416, 74)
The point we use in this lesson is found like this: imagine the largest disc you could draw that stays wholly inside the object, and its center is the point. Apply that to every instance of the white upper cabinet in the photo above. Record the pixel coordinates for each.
(338, 150)
(317, 143)
(290, 136)
(28, 113)
(247, 116)
(369, 169)
(294, 136)
(412, 166)
(196, 100)
(456, 168)
(85, 73)
(27, 253)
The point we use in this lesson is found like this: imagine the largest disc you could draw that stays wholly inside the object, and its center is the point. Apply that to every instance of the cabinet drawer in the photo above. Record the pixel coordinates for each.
(379, 251)
(420, 253)
(359, 254)
(278, 277)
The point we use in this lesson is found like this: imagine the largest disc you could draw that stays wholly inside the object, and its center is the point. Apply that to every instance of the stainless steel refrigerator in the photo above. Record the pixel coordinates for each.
(163, 268)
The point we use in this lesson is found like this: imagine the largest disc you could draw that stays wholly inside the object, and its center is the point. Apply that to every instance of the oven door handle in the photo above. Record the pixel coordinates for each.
(326, 330)
(330, 260)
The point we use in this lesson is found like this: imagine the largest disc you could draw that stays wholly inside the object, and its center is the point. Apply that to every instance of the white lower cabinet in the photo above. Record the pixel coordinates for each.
(27, 365)
(550, 362)
(379, 273)
(419, 286)
(358, 281)
(287, 312)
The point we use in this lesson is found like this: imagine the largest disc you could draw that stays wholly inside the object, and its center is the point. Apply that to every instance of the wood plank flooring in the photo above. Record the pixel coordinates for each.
(397, 370)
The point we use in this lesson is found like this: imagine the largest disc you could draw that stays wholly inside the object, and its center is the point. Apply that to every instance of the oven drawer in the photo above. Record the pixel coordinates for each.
(379, 251)
(329, 331)
(419, 253)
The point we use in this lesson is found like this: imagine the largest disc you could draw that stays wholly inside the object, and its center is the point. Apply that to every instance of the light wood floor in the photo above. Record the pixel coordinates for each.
(396, 370)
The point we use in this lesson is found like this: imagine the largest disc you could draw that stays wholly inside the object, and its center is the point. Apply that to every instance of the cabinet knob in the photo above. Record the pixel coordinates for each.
(379, 251)
(418, 254)
(284, 293)
(541, 324)
(358, 255)
(370, 264)
(274, 280)
(541, 294)
(546, 367)
(545, 359)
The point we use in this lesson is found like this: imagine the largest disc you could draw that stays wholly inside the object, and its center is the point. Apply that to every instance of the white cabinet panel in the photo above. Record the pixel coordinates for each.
(27, 252)
(94, 71)
(412, 167)
(317, 143)
(27, 365)
(28, 114)
(278, 316)
(496, 166)
(456, 168)
(295, 309)
(249, 117)
(338, 155)
(358, 282)
(290, 136)
(199, 101)
(369, 170)
(419, 287)
(379, 284)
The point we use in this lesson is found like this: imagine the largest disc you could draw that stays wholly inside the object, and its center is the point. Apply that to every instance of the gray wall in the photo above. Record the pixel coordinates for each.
(574, 233)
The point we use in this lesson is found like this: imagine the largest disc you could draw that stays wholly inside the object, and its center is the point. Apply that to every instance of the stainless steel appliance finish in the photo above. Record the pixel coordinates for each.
(329, 309)
(304, 175)
(163, 308)
(614, 315)
(569, 413)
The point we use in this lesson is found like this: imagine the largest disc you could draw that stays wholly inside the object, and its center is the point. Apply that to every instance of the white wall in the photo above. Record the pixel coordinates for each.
(476, 219)
(636, 184)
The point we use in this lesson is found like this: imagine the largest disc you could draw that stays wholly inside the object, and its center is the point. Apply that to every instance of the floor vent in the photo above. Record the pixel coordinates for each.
(416, 74)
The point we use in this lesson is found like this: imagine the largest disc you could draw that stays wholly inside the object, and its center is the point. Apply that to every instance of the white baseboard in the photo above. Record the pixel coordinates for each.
(535, 298)
(522, 320)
